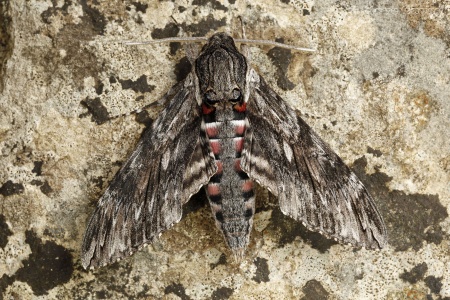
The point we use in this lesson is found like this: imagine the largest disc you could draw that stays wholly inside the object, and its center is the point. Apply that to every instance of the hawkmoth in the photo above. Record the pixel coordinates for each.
(224, 128)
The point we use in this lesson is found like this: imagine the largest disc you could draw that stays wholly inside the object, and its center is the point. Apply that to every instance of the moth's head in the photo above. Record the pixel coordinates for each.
(221, 70)
(220, 38)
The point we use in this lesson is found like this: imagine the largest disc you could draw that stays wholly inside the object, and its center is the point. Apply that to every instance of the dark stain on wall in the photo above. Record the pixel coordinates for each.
(97, 110)
(48, 265)
(415, 274)
(262, 270)
(434, 284)
(374, 152)
(177, 289)
(5, 232)
(37, 169)
(216, 5)
(182, 69)
(44, 186)
(10, 188)
(222, 261)
(411, 219)
(139, 7)
(314, 290)
(170, 30)
(5, 281)
(201, 28)
(289, 229)
(222, 293)
(144, 118)
(204, 26)
(281, 59)
(140, 85)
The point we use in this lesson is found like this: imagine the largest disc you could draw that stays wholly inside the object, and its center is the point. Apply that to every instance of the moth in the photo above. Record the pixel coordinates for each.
(223, 128)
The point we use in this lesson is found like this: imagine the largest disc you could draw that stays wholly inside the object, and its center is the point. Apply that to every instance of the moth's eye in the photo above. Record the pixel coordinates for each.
(210, 97)
(236, 96)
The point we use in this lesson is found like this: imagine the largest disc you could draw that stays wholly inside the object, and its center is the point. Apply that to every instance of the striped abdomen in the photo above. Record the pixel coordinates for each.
(230, 191)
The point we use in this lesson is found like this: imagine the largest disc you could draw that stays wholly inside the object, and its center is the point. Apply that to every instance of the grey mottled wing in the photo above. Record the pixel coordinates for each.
(312, 183)
(170, 163)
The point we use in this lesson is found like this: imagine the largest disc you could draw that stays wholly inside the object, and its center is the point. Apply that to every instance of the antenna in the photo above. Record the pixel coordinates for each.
(204, 39)
(275, 44)
(168, 40)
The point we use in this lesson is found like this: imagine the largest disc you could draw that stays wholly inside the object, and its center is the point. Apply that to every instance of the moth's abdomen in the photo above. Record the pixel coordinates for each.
(230, 191)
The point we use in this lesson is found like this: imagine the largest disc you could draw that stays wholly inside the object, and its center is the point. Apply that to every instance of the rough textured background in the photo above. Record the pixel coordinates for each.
(377, 89)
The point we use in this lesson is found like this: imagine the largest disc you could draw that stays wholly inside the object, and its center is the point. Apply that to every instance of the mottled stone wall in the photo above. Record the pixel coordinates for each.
(377, 90)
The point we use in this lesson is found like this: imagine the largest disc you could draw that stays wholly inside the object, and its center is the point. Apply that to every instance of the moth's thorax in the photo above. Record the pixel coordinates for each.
(221, 69)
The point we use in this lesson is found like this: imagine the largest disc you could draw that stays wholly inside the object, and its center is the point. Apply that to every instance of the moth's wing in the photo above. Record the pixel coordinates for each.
(312, 183)
(170, 163)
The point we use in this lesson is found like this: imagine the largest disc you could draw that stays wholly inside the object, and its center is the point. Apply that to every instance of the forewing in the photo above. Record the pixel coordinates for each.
(145, 197)
(312, 183)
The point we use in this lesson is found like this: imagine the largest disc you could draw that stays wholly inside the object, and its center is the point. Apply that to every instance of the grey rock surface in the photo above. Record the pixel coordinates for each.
(377, 90)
